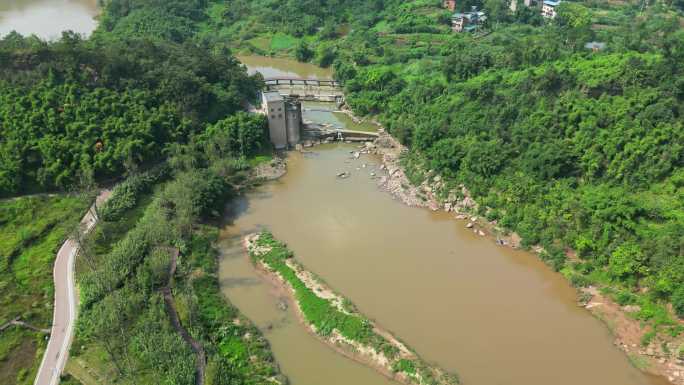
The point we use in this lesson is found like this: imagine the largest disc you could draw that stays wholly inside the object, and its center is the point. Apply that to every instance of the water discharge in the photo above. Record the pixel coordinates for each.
(495, 315)
(47, 18)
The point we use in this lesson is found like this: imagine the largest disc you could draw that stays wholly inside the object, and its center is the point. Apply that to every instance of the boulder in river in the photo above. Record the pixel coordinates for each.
(384, 142)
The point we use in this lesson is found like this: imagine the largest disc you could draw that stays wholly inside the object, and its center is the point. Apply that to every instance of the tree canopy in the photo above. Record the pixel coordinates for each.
(77, 108)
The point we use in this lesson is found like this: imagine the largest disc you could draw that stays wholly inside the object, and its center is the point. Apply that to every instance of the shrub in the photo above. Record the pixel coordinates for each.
(125, 195)
(625, 298)
(678, 301)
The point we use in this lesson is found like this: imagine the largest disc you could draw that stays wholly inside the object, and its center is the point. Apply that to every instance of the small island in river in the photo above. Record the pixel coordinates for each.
(334, 320)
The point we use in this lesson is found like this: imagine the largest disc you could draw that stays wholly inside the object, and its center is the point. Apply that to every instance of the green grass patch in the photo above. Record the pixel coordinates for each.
(282, 42)
(262, 42)
(234, 336)
(31, 231)
(638, 361)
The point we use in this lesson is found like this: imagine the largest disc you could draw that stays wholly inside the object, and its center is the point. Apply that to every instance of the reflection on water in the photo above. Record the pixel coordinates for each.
(278, 67)
(47, 18)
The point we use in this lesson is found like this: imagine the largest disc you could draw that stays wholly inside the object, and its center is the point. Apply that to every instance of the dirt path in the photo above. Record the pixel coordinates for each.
(175, 321)
(18, 322)
(64, 315)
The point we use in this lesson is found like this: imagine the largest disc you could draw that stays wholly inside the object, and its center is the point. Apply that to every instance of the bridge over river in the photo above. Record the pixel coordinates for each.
(320, 90)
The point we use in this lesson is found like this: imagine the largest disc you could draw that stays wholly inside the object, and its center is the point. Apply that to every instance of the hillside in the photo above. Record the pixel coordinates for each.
(578, 151)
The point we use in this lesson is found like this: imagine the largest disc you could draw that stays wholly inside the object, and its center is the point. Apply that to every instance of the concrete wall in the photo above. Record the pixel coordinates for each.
(294, 122)
(277, 123)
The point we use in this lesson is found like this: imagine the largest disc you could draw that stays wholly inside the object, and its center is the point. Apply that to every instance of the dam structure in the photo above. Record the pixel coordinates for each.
(286, 126)
(284, 119)
(310, 90)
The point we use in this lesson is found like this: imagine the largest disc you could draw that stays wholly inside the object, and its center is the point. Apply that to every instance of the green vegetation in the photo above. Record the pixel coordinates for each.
(142, 100)
(75, 111)
(326, 318)
(31, 231)
(126, 194)
(571, 148)
(123, 328)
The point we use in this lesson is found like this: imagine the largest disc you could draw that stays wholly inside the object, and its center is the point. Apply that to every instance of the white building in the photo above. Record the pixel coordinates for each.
(549, 8)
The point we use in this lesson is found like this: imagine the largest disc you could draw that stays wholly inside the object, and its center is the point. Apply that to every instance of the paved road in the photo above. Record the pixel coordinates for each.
(64, 316)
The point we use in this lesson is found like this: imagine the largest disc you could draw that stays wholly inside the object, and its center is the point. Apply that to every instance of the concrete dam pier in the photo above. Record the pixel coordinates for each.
(281, 102)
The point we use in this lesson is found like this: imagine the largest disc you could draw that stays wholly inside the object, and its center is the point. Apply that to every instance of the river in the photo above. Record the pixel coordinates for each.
(47, 18)
(496, 316)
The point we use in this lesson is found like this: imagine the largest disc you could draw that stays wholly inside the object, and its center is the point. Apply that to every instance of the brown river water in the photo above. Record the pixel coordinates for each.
(494, 315)
(47, 18)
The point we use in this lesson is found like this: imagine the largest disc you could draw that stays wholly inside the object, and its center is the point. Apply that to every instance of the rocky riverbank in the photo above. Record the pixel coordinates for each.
(335, 321)
(664, 356)
(272, 170)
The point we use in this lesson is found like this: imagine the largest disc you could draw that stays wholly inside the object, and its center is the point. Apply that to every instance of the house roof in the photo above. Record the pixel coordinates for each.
(470, 15)
(552, 3)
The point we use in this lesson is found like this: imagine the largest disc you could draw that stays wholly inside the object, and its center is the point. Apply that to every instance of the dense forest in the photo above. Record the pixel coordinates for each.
(577, 150)
(153, 108)
(74, 111)
(154, 220)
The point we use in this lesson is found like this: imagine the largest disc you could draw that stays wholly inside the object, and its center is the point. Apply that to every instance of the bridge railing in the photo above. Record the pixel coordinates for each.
(302, 82)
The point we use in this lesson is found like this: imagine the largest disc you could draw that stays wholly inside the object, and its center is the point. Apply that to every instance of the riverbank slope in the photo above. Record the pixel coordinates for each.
(658, 354)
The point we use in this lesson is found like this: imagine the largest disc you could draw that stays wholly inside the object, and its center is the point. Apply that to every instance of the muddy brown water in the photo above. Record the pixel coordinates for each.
(496, 316)
(272, 67)
(47, 18)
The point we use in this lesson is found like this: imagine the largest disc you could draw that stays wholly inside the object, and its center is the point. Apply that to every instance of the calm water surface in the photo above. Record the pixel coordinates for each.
(494, 315)
(47, 18)
(278, 67)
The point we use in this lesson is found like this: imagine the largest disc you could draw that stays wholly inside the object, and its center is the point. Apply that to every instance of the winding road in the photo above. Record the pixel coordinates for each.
(64, 316)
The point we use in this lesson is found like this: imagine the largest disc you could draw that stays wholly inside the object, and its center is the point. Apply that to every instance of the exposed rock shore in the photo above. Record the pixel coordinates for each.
(661, 357)
(403, 366)
(271, 170)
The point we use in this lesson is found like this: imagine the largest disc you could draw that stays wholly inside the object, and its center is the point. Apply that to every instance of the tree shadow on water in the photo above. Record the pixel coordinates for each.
(233, 282)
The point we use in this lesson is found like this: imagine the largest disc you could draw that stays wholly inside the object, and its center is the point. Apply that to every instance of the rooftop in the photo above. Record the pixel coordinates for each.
(273, 96)
(552, 3)
(470, 15)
